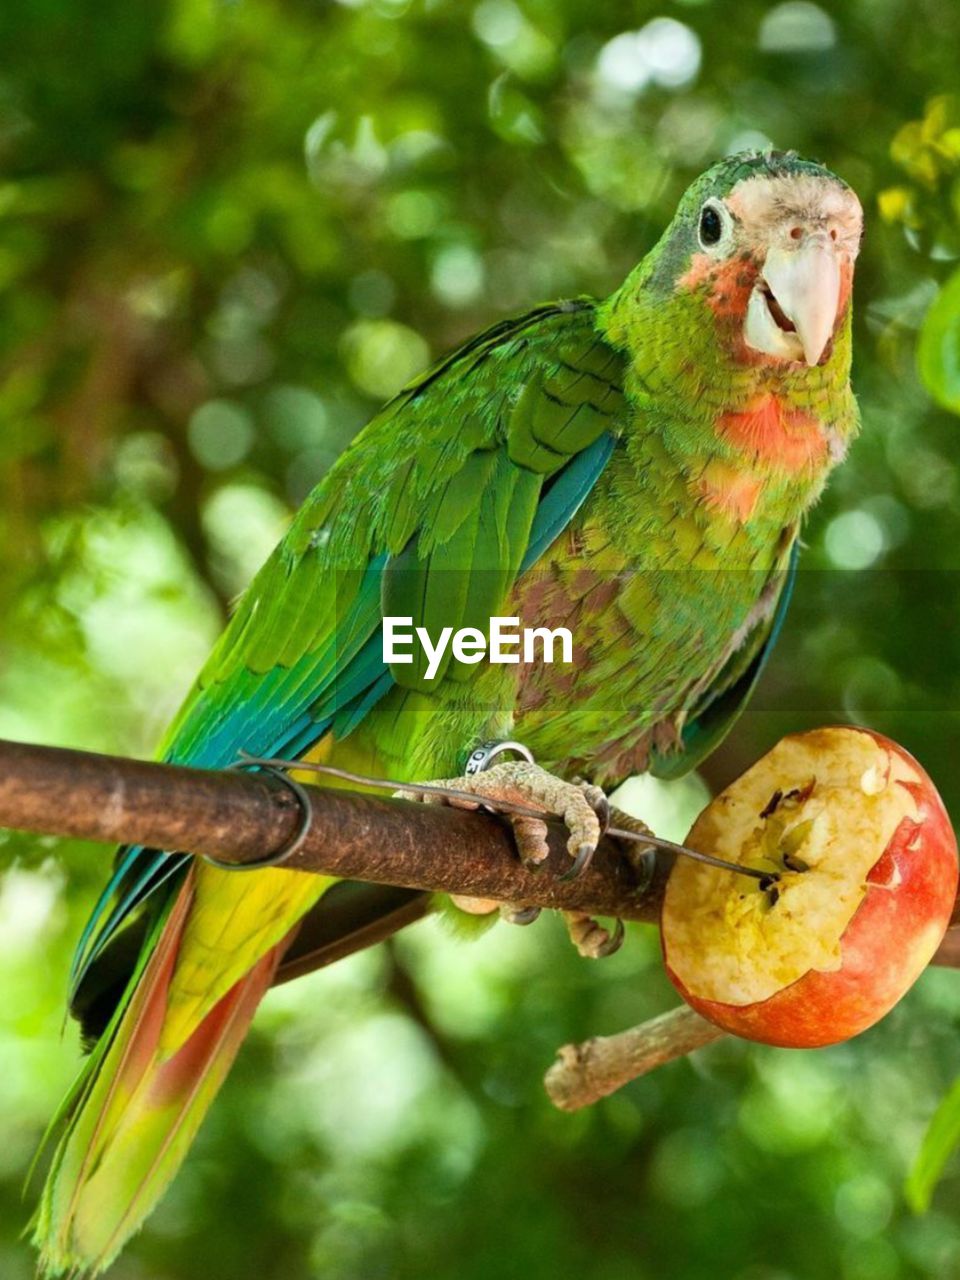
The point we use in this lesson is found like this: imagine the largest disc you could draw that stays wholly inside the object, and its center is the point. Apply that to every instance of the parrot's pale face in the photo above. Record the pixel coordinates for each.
(774, 257)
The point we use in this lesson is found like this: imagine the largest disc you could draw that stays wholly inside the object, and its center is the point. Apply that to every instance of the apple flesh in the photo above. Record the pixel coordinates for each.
(862, 877)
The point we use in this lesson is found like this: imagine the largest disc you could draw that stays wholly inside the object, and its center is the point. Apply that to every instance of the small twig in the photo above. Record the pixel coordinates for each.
(585, 1073)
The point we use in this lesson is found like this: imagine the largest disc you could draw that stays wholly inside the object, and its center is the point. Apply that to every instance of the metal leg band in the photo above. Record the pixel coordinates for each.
(482, 757)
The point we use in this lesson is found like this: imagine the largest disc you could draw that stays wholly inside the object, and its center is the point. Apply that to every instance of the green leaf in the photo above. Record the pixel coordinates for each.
(938, 353)
(939, 1142)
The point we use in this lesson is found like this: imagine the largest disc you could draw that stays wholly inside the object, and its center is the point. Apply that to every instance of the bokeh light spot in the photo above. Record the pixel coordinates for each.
(383, 355)
(220, 434)
(664, 52)
(863, 1205)
(797, 27)
(854, 539)
(243, 523)
(458, 276)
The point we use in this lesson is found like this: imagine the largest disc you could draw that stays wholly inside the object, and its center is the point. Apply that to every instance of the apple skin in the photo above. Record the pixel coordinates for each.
(887, 944)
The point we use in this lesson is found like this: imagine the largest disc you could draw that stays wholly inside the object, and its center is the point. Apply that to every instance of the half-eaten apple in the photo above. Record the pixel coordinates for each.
(859, 877)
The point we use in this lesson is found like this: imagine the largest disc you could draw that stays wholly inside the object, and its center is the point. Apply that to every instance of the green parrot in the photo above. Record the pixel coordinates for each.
(636, 470)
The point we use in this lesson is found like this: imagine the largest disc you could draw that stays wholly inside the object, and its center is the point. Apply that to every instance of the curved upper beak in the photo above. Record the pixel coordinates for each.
(805, 280)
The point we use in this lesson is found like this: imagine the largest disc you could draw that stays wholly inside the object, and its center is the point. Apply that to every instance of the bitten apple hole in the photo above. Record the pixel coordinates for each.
(817, 813)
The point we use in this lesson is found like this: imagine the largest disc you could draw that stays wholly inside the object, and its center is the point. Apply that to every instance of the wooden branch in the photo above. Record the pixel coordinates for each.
(585, 1073)
(241, 817)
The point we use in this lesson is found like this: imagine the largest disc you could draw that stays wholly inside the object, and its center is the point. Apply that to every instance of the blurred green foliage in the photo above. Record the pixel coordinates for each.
(227, 231)
(929, 209)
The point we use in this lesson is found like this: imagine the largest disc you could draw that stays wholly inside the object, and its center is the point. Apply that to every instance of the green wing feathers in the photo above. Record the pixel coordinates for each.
(443, 484)
(457, 545)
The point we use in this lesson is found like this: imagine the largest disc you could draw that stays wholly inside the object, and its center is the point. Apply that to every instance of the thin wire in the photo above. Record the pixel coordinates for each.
(505, 806)
(296, 841)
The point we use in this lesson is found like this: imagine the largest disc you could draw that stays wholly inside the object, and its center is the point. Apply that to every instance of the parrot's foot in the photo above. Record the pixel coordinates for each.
(511, 912)
(586, 813)
(582, 807)
(591, 939)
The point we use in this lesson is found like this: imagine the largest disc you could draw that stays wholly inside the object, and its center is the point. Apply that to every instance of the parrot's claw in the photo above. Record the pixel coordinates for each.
(591, 939)
(582, 807)
(518, 915)
(580, 863)
(627, 822)
(474, 906)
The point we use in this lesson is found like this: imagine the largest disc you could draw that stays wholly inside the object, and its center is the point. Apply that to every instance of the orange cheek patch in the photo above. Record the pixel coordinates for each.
(727, 284)
(732, 287)
(723, 488)
(788, 438)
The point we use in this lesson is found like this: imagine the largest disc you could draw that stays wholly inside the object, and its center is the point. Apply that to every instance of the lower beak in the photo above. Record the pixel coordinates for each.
(805, 282)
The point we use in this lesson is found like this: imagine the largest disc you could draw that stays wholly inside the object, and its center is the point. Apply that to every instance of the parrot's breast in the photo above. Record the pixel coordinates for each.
(654, 604)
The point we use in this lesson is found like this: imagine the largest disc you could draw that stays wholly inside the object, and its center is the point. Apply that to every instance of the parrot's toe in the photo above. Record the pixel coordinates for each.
(591, 939)
(600, 806)
(474, 906)
(642, 857)
(531, 837)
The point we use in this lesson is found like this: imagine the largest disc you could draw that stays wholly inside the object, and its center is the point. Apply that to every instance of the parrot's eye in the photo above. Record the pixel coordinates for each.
(714, 221)
(711, 228)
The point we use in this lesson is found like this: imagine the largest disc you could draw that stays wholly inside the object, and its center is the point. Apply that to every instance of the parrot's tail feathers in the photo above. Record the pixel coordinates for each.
(138, 1112)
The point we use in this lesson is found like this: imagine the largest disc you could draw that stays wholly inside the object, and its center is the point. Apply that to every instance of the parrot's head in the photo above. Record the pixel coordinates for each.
(768, 242)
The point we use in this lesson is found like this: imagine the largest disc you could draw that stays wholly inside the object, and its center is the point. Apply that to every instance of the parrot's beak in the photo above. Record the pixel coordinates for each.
(803, 293)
